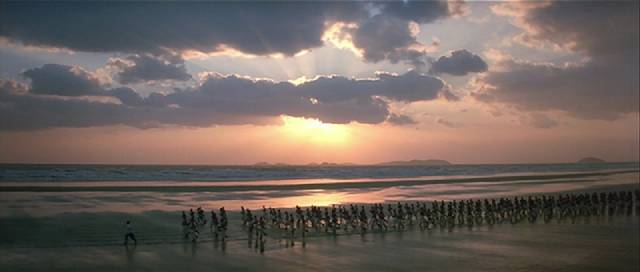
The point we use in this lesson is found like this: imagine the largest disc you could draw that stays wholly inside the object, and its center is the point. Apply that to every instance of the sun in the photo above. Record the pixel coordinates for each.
(314, 131)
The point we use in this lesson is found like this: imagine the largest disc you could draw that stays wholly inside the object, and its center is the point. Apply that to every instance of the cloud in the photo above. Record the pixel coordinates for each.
(392, 34)
(64, 80)
(587, 91)
(10, 87)
(145, 67)
(603, 86)
(259, 28)
(409, 87)
(22, 110)
(538, 120)
(220, 100)
(245, 96)
(418, 11)
(595, 28)
(388, 38)
(126, 96)
(333, 99)
(459, 63)
(400, 119)
(446, 122)
(71, 81)
(256, 28)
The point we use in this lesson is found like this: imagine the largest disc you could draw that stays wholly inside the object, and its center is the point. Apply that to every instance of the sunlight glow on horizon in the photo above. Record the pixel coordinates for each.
(315, 132)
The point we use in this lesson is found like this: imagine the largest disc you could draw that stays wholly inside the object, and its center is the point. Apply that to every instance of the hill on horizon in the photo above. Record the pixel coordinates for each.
(430, 162)
(591, 160)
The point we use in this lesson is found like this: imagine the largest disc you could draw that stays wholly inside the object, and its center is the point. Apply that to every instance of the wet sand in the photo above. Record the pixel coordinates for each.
(63, 231)
(593, 246)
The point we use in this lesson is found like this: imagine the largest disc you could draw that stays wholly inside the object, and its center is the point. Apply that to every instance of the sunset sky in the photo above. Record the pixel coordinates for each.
(301, 82)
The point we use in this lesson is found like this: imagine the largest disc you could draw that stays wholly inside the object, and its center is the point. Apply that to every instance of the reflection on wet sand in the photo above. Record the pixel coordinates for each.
(130, 253)
(48, 203)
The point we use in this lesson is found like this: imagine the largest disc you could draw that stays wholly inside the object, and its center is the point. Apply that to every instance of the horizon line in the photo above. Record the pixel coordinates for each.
(312, 164)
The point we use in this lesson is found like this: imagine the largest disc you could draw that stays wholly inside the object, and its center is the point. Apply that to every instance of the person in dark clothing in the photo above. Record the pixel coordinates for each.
(129, 234)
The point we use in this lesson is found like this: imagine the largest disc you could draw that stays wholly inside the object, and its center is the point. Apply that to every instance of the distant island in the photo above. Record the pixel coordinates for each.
(266, 164)
(332, 164)
(417, 163)
(591, 160)
(313, 164)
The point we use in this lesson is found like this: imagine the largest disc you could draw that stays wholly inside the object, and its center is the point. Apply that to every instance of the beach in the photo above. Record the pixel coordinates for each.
(71, 225)
(319, 136)
(594, 246)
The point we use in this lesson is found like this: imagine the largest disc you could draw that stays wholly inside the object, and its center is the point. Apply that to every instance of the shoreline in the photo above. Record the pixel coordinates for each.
(95, 186)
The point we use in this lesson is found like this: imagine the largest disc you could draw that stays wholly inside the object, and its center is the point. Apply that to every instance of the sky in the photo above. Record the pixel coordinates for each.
(303, 82)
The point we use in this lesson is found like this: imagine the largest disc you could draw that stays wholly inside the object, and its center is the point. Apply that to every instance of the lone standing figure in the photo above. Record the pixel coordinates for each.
(129, 234)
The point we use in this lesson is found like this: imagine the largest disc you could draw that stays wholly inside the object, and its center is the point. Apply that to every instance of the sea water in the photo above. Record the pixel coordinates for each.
(70, 172)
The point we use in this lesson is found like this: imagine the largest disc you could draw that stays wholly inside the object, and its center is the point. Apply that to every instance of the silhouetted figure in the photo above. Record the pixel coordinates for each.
(129, 234)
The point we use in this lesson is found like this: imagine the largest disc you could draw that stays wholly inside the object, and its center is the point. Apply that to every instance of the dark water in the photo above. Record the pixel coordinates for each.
(16, 172)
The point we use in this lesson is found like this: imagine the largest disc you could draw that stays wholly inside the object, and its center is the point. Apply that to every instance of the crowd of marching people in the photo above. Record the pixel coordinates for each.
(345, 219)
(197, 220)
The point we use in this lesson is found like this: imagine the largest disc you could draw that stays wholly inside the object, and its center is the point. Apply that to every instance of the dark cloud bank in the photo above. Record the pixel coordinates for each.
(145, 68)
(156, 34)
(605, 86)
(459, 63)
(218, 100)
(258, 28)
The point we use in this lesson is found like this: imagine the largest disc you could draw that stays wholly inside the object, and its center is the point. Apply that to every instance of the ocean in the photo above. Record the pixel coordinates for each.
(72, 172)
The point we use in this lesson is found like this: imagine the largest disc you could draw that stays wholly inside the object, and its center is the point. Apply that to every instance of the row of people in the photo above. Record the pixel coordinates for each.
(353, 218)
(398, 217)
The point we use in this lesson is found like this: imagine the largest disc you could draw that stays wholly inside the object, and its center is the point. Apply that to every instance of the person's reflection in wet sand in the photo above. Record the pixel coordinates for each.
(185, 247)
(130, 254)
(194, 249)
